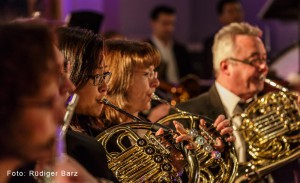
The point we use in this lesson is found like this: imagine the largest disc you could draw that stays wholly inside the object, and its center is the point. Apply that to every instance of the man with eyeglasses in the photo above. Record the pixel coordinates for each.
(239, 60)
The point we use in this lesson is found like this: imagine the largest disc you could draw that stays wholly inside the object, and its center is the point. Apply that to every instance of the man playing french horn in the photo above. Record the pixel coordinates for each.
(240, 66)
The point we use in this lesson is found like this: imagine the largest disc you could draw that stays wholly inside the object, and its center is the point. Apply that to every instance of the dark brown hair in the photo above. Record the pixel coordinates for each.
(83, 49)
(26, 56)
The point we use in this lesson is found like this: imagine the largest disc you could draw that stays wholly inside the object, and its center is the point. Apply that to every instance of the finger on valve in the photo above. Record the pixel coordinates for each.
(184, 136)
(219, 120)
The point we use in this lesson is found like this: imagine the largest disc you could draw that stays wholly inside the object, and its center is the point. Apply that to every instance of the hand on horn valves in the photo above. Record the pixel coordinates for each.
(177, 157)
(224, 127)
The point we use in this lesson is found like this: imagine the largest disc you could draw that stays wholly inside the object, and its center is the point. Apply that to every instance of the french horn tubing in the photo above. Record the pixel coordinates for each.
(270, 127)
(213, 166)
(144, 159)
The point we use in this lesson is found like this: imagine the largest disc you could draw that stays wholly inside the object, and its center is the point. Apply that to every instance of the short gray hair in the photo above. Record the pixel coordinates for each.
(224, 41)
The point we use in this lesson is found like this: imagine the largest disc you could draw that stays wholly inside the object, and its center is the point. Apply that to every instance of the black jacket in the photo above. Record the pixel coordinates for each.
(209, 104)
(183, 61)
(89, 153)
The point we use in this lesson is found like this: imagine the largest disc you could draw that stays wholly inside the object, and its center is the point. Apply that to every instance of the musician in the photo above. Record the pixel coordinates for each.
(239, 59)
(82, 52)
(136, 81)
(81, 46)
(31, 105)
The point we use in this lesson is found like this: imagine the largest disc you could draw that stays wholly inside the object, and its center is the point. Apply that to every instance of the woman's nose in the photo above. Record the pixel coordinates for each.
(103, 87)
(154, 83)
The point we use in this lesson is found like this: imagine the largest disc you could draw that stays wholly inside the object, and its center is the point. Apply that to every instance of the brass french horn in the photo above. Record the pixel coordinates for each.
(135, 158)
(213, 166)
(270, 127)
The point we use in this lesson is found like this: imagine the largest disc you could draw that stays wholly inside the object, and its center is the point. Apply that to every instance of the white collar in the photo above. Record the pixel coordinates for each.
(160, 44)
(229, 99)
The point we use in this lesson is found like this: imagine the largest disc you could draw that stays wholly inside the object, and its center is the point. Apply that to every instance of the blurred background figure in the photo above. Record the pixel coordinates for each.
(175, 62)
(175, 72)
(86, 20)
(228, 11)
(49, 9)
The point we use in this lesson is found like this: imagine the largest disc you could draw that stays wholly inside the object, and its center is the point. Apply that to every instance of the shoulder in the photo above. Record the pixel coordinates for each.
(78, 141)
(200, 98)
(179, 45)
(88, 152)
(195, 104)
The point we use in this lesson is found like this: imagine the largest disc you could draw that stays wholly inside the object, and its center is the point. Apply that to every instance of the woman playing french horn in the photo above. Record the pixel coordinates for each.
(134, 83)
(90, 76)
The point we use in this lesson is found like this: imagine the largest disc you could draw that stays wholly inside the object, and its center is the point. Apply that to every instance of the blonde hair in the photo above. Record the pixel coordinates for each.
(122, 56)
(224, 41)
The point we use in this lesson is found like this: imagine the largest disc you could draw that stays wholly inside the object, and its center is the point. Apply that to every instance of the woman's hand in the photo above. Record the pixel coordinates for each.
(184, 135)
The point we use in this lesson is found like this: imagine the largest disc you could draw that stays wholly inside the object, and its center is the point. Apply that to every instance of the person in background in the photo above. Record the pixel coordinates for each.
(228, 11)
(175, 59)
(85, 19)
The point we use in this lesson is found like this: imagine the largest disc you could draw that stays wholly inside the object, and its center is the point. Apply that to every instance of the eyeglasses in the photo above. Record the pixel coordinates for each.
(254, 63)
(99, 78)
(150, 75)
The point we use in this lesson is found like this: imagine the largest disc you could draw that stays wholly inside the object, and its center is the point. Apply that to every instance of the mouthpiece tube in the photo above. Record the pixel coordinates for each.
(275, 85)
(106, 102)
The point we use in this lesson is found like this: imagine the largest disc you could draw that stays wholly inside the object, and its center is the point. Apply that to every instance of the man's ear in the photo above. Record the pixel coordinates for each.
(225, 67)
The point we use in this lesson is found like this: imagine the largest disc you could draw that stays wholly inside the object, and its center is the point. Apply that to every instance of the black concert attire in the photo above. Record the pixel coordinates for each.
(26, 178)
(82, 146)
(210, 105)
